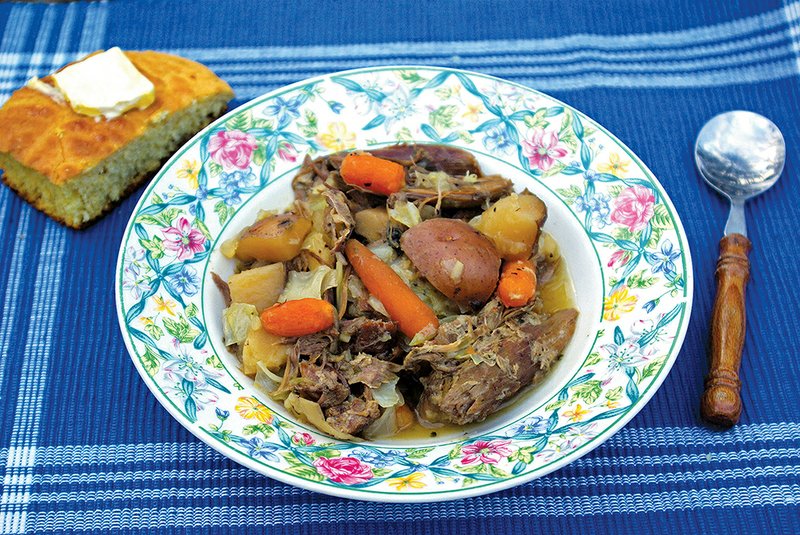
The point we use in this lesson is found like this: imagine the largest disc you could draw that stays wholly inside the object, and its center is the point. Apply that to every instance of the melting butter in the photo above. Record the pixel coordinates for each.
(106, 84)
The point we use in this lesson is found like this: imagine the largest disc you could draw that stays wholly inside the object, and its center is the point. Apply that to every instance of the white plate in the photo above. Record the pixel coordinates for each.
(623, 243)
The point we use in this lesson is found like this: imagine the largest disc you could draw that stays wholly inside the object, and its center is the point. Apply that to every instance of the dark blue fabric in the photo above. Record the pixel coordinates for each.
(85, 446)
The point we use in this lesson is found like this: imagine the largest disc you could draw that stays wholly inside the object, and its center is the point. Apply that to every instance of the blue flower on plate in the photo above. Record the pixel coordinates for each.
(232, 183)
(134, 281)
(497, 139)
(598, 205)
(284, 110)
(259, 448)
(664, 260)
(186, 281)
(378, 458)
(535, 425)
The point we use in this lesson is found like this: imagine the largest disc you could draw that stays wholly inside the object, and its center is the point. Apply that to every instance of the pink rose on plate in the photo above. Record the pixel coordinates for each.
(633, 208)
(183, 239)
(346, 470)
(486, 452)
(302, 439)
(232, 149)
(543, 149)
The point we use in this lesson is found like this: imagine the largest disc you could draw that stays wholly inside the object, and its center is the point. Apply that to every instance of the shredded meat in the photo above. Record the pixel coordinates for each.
(354, 415)
(474, 375)
(368, 370)
(369, 335)
(321, 384)
(339, 222)
(223, 288)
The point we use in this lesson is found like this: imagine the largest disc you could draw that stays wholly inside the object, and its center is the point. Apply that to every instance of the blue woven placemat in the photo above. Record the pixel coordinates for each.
(85, 446)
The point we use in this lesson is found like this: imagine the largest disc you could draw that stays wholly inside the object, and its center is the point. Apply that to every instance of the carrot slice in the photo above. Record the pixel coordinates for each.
(373, 174)
(298, 317)
(402, 304)
(517, 284)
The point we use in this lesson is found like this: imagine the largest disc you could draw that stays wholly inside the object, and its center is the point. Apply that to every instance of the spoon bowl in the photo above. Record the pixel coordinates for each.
(740, 154)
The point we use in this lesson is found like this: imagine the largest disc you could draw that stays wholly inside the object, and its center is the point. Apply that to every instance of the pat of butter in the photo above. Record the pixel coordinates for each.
(106, 84)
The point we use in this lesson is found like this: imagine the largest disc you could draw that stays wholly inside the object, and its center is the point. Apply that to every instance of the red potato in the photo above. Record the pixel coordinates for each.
(456, 260)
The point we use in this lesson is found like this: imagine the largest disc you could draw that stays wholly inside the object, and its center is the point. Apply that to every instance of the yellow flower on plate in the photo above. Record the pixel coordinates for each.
(411, 481)
(618, 303)
(338, 137)
(614, 166)
(612, 404)
(165, 305)
(473, 110)
(189, 170)
(249, 408)
(577, 414)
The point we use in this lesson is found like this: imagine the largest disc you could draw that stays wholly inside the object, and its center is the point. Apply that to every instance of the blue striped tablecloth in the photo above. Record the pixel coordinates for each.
(85, 446)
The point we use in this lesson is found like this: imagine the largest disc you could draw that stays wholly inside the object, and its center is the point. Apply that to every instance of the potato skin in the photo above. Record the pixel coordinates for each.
(276, 238)
(436, 246)
(513, 224)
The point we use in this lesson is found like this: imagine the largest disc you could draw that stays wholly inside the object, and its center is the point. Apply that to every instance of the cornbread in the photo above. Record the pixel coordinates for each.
(74, 167)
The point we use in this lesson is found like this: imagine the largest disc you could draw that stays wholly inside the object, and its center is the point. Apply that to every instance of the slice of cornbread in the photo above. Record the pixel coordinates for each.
(75, 168)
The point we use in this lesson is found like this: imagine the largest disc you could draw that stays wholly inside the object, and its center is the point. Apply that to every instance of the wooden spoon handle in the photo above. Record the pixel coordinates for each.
(722, 403)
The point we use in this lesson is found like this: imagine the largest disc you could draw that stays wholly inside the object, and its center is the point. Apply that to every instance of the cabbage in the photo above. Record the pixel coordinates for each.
(305, 284)
(387, 394)
(385, 426)
(265, 379)
(237, 320)
(405, 213)
(311, 412)
(437, 180)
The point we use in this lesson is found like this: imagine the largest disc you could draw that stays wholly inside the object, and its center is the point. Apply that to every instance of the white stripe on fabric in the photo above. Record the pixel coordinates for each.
(21, 455)
(220, 483)
(94, 27)
(171, 475)
(626, 60)
(11, 297)
(476, 508)
(10, 311)
(59, 57)
(725, 77)
(25, 430)
(792, 12)
(646, 41)
(192, 452)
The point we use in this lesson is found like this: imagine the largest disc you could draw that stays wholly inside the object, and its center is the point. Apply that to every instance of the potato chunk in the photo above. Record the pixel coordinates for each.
(259, 286)
(513, 224)
(276, 238)
(372, 222)
(261, 346)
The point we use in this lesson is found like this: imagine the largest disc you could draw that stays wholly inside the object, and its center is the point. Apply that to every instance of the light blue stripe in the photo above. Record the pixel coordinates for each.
(676, 461)
(753, 74)
(197, 452)
(17, 26)
(20, 459)
(477, 508)
(646, 41)
(94, 27)
(230, 476)
(59, 57)
(11, 297)
(692, 68)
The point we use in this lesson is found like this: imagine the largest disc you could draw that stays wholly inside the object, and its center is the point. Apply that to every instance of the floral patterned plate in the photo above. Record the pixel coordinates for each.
(623, 243)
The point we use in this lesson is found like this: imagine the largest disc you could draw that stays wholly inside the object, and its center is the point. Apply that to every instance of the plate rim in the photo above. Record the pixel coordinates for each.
(369, 494)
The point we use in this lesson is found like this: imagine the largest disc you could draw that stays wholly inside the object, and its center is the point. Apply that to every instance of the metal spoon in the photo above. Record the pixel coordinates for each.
(740, 154)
